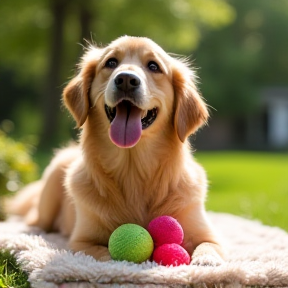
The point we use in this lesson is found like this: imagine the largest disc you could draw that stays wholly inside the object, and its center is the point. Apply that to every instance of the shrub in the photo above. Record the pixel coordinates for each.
(16, 166)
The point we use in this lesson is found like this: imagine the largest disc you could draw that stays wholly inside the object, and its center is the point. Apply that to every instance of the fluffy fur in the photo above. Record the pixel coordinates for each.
(107, 185)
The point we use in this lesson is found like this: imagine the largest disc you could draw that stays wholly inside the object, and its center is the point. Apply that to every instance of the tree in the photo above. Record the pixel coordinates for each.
(51, 102)
(28, 30)
(240, 59)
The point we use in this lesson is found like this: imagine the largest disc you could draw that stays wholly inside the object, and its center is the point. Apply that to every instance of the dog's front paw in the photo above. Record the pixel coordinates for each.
(207, 260)
(206, 255)
(105, 258)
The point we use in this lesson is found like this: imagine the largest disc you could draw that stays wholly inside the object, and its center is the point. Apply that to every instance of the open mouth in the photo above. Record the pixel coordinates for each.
(147, 116)
(127, 122)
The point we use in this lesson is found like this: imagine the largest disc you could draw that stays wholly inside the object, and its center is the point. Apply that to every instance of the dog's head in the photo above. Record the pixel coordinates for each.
(137, 89)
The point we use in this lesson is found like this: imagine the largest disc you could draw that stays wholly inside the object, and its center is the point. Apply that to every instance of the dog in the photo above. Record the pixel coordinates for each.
(135, 106)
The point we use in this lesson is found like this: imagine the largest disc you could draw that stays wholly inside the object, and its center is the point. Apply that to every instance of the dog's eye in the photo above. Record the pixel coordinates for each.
(111, 63)
(154, 67)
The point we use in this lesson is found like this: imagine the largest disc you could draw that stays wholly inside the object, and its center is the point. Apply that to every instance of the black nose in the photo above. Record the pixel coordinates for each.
(126, 81)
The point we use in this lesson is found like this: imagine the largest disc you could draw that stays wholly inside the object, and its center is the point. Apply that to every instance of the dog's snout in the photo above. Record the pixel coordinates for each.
(126, 81)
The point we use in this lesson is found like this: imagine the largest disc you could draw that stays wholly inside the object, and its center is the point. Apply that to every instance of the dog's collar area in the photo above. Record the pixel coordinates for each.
(146, 121)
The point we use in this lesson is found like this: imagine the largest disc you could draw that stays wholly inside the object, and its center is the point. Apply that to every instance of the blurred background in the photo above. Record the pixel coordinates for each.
(240, 51)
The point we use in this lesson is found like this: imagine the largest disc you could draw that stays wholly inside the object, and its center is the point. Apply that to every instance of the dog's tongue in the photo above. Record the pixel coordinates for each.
(126, 128)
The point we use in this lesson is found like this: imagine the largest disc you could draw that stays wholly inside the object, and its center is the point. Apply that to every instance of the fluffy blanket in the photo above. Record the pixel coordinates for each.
(258, 257)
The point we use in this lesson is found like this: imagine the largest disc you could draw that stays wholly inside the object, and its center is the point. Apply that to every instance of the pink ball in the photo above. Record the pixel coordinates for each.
(165, 230)
(171, 254)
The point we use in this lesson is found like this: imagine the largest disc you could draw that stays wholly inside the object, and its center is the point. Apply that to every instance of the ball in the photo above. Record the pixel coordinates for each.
(171, 254)
(130, 242)
(165, 230)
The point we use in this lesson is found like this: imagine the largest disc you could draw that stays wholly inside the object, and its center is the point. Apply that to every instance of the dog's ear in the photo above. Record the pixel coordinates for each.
(190, 111)
(76, 93)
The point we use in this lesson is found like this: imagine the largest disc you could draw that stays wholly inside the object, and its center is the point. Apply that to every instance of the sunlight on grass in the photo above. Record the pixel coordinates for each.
(249, 184)
(10, 273)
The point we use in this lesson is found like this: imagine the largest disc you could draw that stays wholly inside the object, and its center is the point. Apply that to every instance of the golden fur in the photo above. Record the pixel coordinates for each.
(109, 185)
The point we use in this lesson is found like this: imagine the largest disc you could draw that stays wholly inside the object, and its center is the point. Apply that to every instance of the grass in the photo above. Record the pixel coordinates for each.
(10, 273)
(249, 184)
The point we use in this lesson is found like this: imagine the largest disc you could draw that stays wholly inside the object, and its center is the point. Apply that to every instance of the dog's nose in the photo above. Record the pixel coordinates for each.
(126, 81)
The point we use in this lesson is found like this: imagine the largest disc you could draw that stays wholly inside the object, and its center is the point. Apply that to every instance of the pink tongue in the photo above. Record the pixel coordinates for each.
(126, 128)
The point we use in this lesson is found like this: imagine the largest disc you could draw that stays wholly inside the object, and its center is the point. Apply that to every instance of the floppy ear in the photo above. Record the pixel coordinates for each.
(190, 111)
(76, 93)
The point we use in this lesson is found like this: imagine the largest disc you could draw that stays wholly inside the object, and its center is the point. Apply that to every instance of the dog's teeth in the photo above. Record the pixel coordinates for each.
(144, 114)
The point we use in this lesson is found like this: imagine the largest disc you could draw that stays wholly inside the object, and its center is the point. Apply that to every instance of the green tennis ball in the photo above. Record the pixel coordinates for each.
(130, 242)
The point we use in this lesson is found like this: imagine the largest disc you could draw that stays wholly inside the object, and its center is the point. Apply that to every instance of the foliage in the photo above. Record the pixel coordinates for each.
(240, 47)
(181, 22)
(11, 274)
(243, 58)
(26, 29)
(16, 165)
(28, 32)
(252, 185)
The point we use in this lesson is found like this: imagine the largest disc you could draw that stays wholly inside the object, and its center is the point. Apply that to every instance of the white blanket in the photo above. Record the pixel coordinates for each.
(258, 256)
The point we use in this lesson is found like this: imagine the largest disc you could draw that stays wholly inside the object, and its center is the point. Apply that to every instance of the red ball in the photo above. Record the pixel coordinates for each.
(165, 230)
(171, 254)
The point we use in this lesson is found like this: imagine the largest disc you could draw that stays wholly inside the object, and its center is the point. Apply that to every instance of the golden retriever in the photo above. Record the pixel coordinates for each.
(136, 106)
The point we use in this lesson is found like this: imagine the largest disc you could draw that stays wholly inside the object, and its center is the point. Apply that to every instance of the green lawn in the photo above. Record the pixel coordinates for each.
(10, 273)
(250, 184)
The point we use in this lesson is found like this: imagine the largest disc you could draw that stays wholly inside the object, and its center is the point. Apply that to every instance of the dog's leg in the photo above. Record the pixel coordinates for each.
(26, 199)
(53, 191)
(51, 197)
(199, 237)
(90, 235)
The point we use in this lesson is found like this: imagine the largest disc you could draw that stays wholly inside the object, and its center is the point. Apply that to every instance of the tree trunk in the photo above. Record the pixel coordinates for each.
(52, 92)
(85, 21)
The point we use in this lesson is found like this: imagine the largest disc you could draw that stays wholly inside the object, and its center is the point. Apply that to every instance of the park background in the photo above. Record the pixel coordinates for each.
(239, 49)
